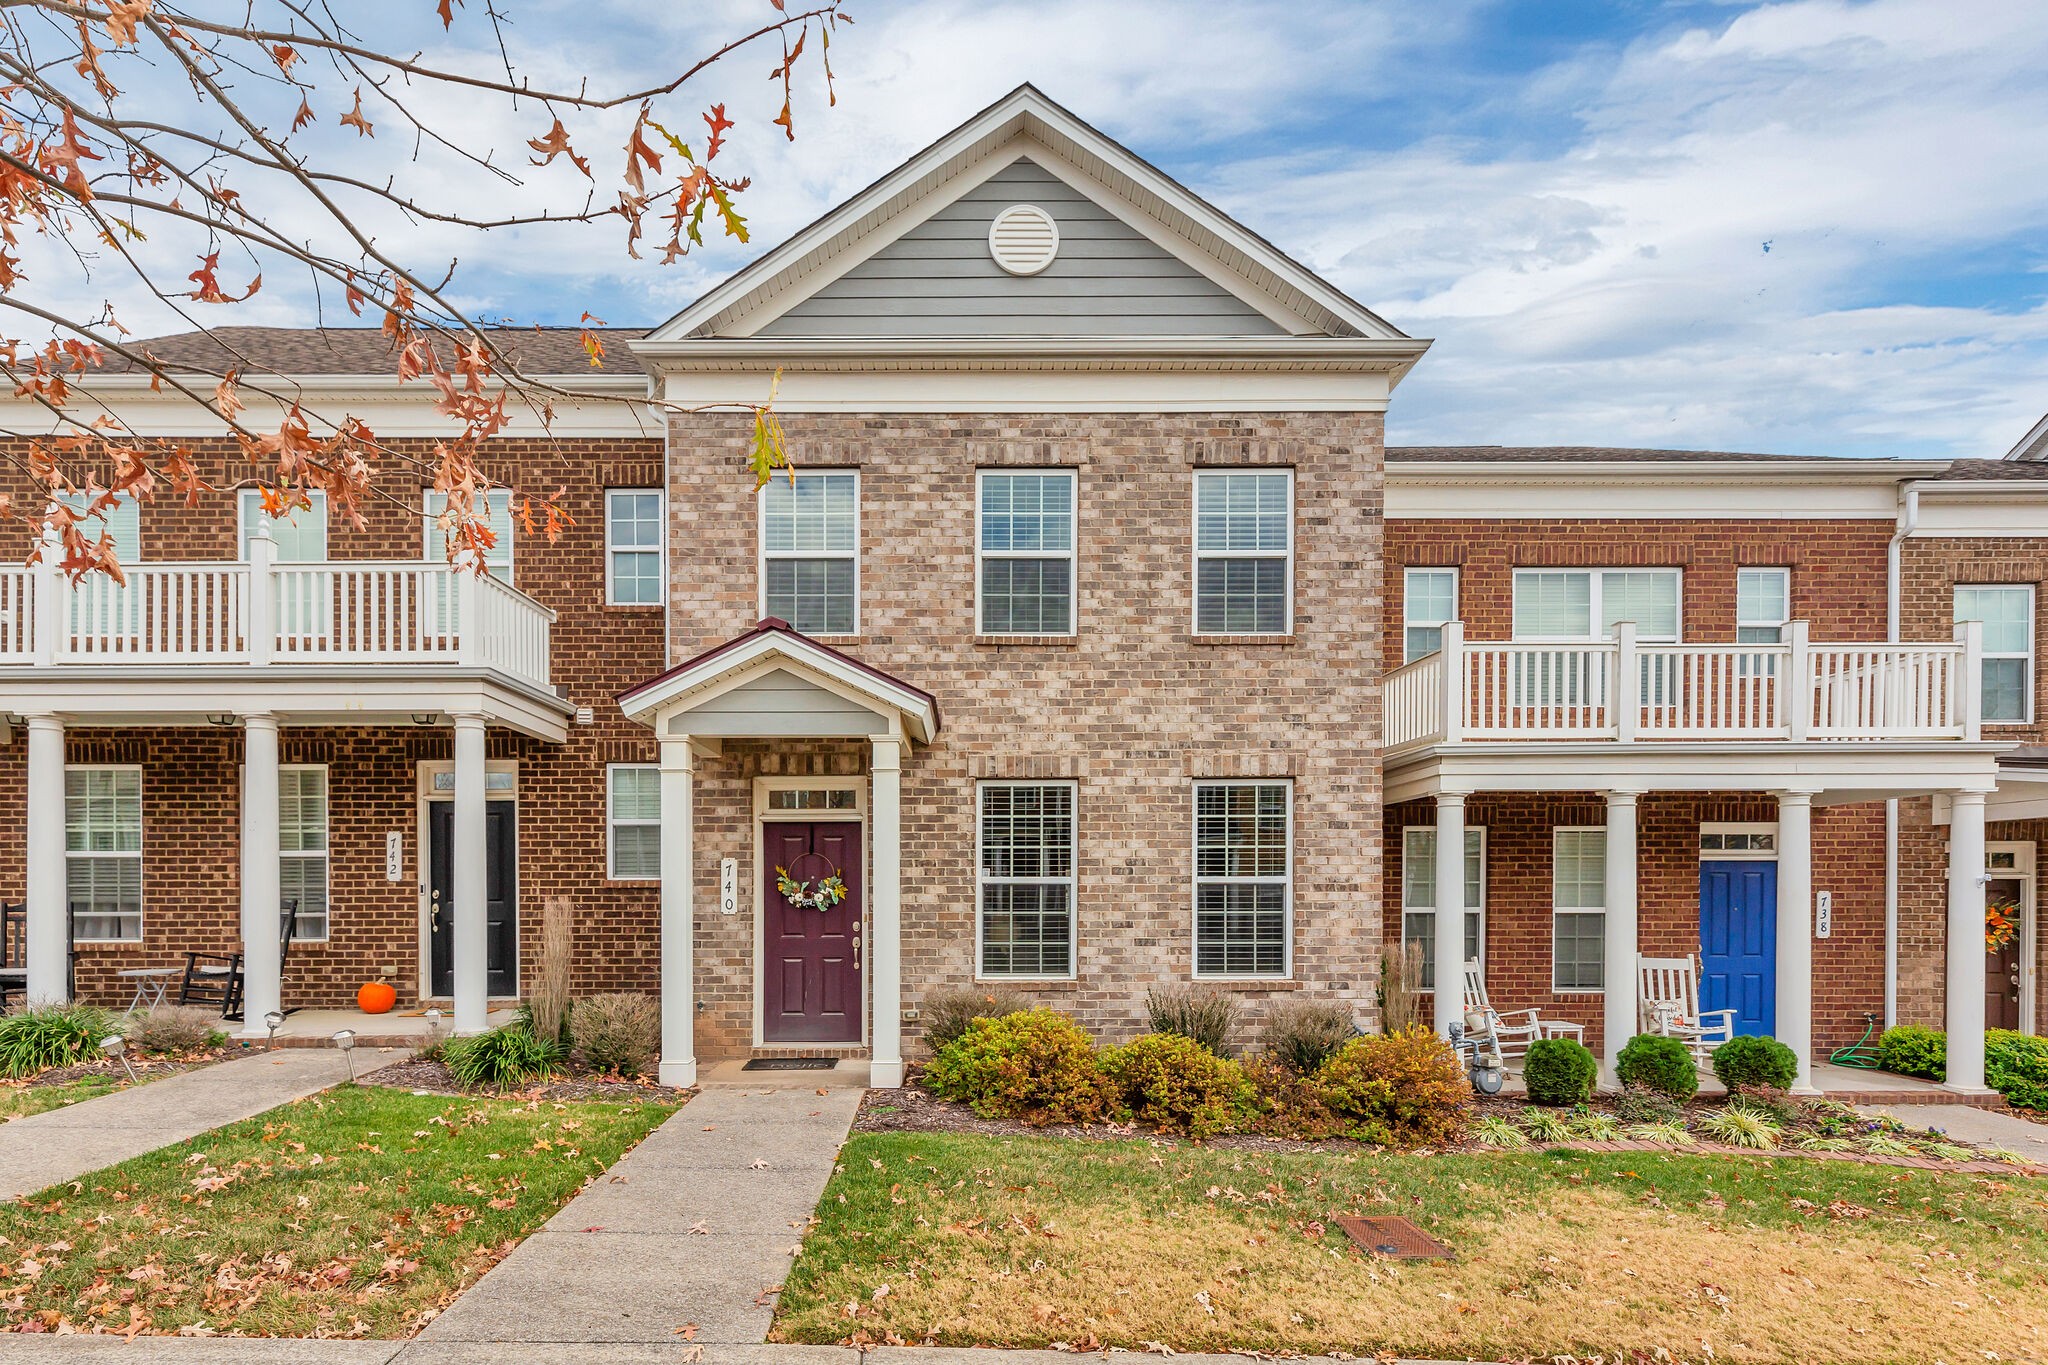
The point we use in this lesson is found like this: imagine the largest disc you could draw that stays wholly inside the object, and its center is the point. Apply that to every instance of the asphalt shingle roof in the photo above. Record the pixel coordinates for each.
(365, 351)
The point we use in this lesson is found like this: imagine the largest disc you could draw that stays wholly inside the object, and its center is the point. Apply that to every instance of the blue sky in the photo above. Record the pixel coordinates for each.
(1813, 226)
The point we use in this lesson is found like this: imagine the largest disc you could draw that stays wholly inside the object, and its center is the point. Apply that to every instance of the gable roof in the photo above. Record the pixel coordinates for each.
(367, 351)
(2033, 445)
(1025, 122)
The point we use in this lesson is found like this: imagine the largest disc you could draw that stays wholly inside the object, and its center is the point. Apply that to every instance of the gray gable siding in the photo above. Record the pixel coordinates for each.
(778, 704)
(938, 279)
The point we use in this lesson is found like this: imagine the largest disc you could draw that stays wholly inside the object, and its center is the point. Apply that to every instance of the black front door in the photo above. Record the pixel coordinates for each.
(501, 883)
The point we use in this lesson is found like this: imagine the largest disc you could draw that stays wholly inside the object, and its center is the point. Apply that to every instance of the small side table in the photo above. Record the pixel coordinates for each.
(1564, 1028)
(150, 985)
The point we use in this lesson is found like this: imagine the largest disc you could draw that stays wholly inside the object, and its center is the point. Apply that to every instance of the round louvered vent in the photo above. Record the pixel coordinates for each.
(1023, 239)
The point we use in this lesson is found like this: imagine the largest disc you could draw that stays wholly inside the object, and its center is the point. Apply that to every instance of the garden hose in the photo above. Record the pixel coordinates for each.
(1861, 1054)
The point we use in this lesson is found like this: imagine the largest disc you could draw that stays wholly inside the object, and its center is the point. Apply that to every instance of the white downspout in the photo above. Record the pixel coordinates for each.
(1909, 521)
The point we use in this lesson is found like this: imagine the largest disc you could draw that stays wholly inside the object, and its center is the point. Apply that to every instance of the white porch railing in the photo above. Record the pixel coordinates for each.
(261, 612)
(1625, 691)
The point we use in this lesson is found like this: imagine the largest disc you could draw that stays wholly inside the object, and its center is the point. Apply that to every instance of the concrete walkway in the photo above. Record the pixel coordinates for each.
(63, 1144)
(697, 1224)
(1965, 1123)
(93, 1350)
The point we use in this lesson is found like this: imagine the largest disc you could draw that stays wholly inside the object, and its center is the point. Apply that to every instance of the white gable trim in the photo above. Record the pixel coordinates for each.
(1025, 111)
(764, 654)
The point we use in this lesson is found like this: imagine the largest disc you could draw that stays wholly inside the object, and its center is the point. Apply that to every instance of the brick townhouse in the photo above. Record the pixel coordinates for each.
(1060, 664)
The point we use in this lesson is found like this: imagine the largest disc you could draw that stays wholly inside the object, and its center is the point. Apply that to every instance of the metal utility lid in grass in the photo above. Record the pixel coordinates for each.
(1395, 1237)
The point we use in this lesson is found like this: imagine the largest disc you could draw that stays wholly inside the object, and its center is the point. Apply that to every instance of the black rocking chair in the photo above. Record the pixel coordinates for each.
(14, 954)
(216, 978)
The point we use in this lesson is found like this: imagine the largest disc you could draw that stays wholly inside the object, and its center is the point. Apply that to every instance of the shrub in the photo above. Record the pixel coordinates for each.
(1285, 1104)
(172, 1028)
(1205, 1016)
(1639, 1106)
(1301, 1035)
(1751, 1062)
(1035, 1065)
(1178, 1086)
(51, 1035)
(2016, 1066)
(502, 1057)
(619, 1033)
(1402, 1089)
(1654, 1062)
(1559, 1071)
(1912, 1050)
(948, 1013)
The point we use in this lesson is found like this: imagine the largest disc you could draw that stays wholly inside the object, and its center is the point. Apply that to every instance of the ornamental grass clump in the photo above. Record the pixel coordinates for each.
(1174, 1084)
(1752, 1062)
(172, 1029)
(1301, 1035)
(1400, 1090)
(1205, 1016)
(619, 1033)
(1035, 1065)
(502, 1057)
(947, 1014)
(51, 1035)
(1655, 1062)
(1559, 1072)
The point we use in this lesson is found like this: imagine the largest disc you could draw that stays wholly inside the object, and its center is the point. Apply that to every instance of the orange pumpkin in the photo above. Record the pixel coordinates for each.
(375, 997)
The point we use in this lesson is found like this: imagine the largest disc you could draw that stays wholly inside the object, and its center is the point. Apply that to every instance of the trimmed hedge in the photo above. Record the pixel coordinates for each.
(1559, 1071)
(1751, 1062)
(1177, 1085)
(1912, 1050)
(1401, 1089)
(1651, 1061)
(1034, 1065)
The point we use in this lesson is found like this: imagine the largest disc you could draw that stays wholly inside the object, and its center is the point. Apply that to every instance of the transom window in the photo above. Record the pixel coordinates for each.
(2007, 611)
(1429, 602)
(1578, 906)
(302, 847)
(103, 852)
(498, 517)
(1418, 897)
(1243, 866)
(633, 816)
(1763, 605)
(632, 546)
(1587, 604)
(1026, 879)
(814, 798)
(1026, 552)
(810, 538)
(1244, 552)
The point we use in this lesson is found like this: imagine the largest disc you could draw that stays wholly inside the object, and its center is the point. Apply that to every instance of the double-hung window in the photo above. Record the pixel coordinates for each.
(1763, 605)
(633, 815)
(302, 846)
(1586, 604)
(1418, 898)
(1429, 602)
(300, 537)
(2007, 611)
(103, 852)
(1578, 910)
(1025, 879)
(810, 539)
(100, 606)
(1025, 552)
(1243, 870)
(632, 546)
(497, 517)
(1244, 552)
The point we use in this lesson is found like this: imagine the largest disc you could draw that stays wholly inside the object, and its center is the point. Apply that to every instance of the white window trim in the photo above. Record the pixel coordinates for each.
(1739, 855)
(141, 841)
(1556, 910)
(612, 823)
(2025, 656)
(1784, 577)
(1071, 881)
(1195, 582)
(1407, 622)
(660, 547)
(1196, 881)
(437, 553)
(325, 855)
(1595, 614)
(763, 555)
(1071, 554)
(1480, 909)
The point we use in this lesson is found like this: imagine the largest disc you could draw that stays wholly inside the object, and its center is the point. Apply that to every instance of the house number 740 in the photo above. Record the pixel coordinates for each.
(728, 886)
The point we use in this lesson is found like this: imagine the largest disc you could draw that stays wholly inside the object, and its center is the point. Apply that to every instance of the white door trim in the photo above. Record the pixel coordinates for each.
(2023, 870)
(763, 816)
(426, 771)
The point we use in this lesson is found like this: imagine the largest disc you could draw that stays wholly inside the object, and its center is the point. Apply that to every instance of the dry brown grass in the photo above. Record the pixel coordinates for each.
(1555, 1268)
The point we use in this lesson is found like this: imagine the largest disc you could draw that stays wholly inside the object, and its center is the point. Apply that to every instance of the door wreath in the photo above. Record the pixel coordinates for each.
(831, 890)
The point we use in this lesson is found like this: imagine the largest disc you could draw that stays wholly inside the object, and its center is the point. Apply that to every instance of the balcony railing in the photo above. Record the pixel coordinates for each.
(1620, 690)
(260, 612)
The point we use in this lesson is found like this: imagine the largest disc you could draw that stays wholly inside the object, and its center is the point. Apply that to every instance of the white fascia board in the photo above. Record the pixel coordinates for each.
(703, 682)
(1964, 509)
(1642, 490)
(2032, 445)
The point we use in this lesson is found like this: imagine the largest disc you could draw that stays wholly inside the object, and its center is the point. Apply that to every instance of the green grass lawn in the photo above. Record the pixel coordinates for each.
(1025, 1242)
(358, 1212)
(20, 1101)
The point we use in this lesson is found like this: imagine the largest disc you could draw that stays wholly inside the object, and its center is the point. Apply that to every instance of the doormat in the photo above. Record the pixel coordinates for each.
(1395, 1237)
(791, 1064)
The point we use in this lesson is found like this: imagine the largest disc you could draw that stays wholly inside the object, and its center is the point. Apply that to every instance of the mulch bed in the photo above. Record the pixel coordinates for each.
(147, 1066)
(435, 1078)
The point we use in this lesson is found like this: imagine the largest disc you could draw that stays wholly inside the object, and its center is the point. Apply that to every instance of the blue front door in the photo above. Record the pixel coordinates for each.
(1739, 943)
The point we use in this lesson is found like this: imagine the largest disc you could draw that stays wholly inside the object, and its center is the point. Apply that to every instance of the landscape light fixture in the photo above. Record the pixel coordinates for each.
(272, 1021)
(114, 1045)
(345, 1039)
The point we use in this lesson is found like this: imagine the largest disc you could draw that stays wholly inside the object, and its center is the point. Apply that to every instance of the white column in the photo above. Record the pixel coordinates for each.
(1966, 942)
(1795, 932)
(885, 900)
(470, 874)
(262, 627)
(1619, 1020)
(262, 902)
(1449, 1004)
(48, 924)
(678, 953)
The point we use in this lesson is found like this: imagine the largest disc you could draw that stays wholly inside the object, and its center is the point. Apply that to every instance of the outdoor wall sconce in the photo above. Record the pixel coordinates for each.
(224, 719)
(424, 718)
(346, 1041)
(114, 1045)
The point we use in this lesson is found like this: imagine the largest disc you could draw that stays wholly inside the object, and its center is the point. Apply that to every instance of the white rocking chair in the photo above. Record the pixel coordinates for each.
(1668, 1002)
(1514, 1031)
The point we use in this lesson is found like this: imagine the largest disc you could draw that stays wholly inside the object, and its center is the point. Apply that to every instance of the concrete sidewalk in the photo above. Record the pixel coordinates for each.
(84, 1350)
(63, 1144)
(1986, 1127)
(698, 1224)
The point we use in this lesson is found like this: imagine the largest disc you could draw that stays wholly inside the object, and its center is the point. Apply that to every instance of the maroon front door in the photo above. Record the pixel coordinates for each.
(810, 959)
(2002, 964)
